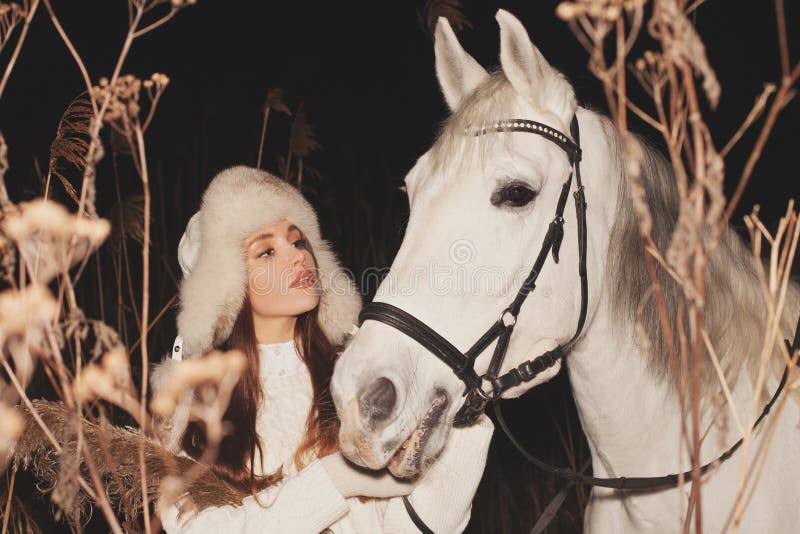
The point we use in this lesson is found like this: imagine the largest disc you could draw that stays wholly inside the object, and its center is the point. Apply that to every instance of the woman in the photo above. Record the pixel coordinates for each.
(258, 277)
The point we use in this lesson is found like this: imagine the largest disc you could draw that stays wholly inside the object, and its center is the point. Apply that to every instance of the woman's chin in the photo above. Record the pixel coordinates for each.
(294, 304)
(305, 302)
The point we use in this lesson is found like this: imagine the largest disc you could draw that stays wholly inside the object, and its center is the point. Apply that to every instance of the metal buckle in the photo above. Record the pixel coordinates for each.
(503, 318)
(474, 405)
(486, 398)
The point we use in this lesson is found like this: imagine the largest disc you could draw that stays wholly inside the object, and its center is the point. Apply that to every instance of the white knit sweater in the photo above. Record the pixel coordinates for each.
(308, 501)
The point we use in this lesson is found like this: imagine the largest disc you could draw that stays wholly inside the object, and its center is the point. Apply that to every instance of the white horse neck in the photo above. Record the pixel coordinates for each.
(630, 418)
(632, 421)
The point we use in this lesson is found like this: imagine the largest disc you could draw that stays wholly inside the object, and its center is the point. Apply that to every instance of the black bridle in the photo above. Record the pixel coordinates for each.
(462, 364)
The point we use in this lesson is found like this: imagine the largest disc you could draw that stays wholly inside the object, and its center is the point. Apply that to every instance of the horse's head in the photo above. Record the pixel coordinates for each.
(480, 208)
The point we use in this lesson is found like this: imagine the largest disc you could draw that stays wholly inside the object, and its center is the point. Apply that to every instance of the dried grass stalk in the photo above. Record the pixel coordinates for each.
(71, 142)
(452, 10)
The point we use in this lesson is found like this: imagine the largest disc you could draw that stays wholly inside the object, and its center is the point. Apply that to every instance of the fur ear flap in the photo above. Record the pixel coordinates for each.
(458, 72)
(530, 74)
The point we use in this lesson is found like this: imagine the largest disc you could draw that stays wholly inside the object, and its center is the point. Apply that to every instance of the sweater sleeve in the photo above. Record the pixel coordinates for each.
(443, 498)
(306, 503)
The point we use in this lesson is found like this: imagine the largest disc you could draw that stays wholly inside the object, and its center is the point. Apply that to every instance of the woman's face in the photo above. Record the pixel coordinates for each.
(282, 275)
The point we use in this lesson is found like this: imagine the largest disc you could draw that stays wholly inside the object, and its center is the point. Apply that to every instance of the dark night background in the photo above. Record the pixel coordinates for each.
(365, 74)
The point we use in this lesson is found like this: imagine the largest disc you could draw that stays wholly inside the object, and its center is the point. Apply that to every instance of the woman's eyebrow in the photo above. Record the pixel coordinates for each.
(259, 237)
(268, 235)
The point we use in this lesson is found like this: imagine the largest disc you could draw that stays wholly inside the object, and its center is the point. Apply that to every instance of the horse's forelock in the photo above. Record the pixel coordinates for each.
(492, 100)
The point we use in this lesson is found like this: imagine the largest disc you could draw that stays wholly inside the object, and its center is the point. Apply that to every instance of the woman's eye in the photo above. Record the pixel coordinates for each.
(513, 195)
(267, 253)
(300, 243)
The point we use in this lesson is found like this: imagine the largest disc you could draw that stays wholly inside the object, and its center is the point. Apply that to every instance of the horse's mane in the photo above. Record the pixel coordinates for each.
(735, 311)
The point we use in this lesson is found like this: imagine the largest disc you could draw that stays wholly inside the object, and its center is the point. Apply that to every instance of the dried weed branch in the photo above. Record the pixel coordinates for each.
(669, 75)
(275, 100)
(10, 15)
(41, 243)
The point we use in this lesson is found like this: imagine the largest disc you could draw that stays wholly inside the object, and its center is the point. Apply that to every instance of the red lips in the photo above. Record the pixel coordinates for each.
(307, 277)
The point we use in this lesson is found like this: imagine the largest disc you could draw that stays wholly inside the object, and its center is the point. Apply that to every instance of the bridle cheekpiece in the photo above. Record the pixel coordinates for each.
(462, 364)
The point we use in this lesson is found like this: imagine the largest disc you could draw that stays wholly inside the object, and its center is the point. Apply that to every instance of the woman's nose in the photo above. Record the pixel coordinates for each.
(297, 258)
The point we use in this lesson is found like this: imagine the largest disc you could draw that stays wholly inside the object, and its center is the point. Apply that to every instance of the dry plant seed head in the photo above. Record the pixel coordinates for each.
(156, 85)
(24, 317)
(302, 137)
(212, 368)
(714, 181)
(106, 339)
(110, 381)
(632, 157)
(275, 100)
(10, 16)
(159, 79)
(682, 246)
(93, 383)
(608, 10)
(685, 45)
(75, 325)
(40, 216)
(116, 363)
(13, 7)
(123, 97)
(5, 202)
(8, 260)
(651, 71)
(452, 10)
(72, 141)
(124, 105)
(51, 239)
(24, 311)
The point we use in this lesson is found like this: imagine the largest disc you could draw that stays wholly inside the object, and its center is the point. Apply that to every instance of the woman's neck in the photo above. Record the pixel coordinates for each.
(274, 329)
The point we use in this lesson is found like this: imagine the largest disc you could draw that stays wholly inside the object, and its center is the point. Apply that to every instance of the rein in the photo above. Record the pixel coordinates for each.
(462, 364)
(640, 483)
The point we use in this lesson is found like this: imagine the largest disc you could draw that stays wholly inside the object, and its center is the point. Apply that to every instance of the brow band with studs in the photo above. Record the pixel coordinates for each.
(524, 125)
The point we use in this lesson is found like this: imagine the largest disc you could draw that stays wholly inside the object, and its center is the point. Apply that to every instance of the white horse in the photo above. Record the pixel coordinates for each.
(480, 205)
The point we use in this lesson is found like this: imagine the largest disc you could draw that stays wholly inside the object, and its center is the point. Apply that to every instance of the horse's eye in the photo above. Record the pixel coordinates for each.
(514, 194)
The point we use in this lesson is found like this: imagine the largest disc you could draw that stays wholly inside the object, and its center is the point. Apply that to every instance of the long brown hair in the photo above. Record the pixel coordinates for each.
(237, 451)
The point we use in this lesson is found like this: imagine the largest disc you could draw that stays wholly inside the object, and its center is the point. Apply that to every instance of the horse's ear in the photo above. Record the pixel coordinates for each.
(458, 72)
(529, 72)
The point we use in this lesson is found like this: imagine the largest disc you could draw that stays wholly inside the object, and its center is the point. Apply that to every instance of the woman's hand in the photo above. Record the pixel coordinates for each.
(353, 481)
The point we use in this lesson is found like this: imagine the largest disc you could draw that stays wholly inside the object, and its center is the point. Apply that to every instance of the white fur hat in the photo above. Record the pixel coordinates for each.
(237, 202)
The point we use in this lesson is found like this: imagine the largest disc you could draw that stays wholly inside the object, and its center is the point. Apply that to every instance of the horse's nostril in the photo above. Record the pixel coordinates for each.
(377, 401)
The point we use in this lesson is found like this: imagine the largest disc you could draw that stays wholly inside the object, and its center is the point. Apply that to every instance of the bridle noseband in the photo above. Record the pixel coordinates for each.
(462, 364)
